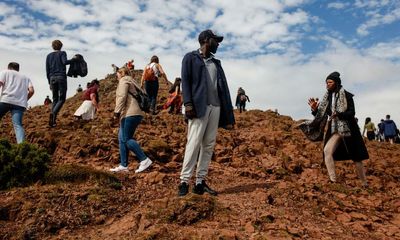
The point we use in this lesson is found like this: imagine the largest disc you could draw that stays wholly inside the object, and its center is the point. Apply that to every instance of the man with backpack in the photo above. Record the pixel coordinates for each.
(389, 129)
(207, 106)
(241, 99)
(56, 75)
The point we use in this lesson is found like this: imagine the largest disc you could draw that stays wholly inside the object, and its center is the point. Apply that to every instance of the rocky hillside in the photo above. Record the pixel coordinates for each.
(270, 180)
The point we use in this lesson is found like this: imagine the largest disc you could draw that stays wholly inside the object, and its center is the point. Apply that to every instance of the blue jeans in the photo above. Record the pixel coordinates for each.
(126, 141)
(17, 112)
(152, 90)
(59, 89)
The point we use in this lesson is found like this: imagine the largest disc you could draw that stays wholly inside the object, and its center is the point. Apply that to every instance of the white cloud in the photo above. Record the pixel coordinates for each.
(372, 3)
(254, 32)
(379, 12)
(293, 3)
(386, 50)
(337, 5)
(63, 11)
(5, 9)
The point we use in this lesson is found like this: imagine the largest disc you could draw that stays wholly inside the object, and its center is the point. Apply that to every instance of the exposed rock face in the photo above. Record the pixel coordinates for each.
(270, 180)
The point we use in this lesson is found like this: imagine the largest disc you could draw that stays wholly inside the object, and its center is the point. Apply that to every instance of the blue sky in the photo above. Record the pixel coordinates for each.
(279, 51)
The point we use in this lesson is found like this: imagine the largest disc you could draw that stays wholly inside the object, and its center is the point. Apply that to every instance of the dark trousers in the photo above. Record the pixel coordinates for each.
(152, 91)
(59, 89)
(242, 106)
(370, 135)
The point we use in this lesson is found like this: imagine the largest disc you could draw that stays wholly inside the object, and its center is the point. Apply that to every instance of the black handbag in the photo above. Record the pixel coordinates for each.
(142, 98)
(314, 130)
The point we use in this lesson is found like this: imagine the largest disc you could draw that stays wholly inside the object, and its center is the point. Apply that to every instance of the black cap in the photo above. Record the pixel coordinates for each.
(207, 34)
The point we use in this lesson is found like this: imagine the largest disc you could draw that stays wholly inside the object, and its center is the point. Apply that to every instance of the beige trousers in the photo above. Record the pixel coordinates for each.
(201, 138)
(329, 149)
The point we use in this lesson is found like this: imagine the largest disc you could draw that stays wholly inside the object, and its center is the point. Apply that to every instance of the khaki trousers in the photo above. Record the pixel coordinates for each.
(329, 149)
(201, 138)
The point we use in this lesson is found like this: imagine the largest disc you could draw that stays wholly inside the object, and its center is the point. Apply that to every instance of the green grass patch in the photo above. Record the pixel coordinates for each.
(21, 164)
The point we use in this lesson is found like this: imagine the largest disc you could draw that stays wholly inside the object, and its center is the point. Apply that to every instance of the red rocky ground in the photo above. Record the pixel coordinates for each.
(270, 179)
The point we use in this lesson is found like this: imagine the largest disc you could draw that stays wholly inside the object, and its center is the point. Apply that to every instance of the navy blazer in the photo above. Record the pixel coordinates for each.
(194, 87)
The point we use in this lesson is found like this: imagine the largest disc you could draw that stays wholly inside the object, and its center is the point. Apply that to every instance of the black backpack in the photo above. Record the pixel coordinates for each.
(142, 98)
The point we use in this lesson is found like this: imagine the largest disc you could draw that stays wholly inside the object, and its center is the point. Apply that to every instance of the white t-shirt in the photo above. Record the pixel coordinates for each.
(153, 65)
(15, 88)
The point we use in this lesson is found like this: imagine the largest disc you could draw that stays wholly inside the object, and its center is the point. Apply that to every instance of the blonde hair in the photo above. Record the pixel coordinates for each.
(124, 71)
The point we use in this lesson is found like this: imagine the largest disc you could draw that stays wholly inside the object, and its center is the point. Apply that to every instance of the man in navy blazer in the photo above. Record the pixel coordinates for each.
(208, 106)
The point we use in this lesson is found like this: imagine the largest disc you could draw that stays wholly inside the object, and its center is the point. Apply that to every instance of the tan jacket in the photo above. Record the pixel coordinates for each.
(125, 103)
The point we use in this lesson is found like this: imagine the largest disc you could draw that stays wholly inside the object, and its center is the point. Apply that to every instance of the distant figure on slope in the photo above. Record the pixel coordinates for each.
(130, 65)
(241, 99)
(389, 129)
(115, 68)
(174, 101)
(79, 89)
(47, 101)
(343, 139)
(90, 105)
(208, 106)
(381, 129)
(370, 128)
(129, 114)
(151, 73)
(16, 90)
(57, 77)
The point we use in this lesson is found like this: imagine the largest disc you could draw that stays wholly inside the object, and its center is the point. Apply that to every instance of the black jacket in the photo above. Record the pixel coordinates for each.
(351, 147)
(77, 67)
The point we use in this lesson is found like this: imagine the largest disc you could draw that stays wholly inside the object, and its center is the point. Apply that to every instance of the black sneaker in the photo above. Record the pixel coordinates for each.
(198, 189)
(183, 189)
(207, 189)
(51, 120)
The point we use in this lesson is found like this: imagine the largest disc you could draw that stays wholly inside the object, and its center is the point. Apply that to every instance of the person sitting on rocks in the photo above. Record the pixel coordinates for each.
(174, 101)
(90, 105)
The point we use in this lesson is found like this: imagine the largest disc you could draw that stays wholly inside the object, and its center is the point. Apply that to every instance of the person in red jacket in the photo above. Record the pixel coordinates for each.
(87, 110)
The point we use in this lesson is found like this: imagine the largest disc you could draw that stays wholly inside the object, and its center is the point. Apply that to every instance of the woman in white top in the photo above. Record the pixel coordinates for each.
(150, 76)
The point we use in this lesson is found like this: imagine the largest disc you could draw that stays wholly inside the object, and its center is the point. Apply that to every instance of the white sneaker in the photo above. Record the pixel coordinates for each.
(119, 169)
(144, 165)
